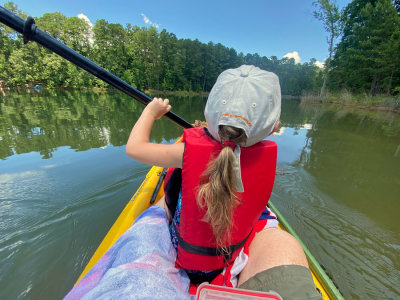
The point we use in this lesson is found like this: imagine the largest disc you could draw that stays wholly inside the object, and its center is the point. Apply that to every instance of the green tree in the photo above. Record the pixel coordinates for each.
(142, 57)
(53, 24)
(76, 35)
(194, 68)
(109, 48)
(328, 13)
(173, 59)
(25, 65)
(9, 41)
(367, 57)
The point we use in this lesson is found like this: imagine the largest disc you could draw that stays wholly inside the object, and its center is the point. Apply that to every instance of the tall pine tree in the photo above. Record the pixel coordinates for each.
(365, 59)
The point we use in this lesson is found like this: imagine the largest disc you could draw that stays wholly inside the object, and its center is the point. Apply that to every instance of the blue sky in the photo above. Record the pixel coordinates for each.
(267, 27)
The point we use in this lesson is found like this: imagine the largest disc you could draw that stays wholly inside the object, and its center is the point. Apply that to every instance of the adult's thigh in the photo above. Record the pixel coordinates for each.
(271, 248)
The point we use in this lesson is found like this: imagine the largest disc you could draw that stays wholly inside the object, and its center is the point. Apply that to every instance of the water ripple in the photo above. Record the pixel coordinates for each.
(33, 240)
(354, 250)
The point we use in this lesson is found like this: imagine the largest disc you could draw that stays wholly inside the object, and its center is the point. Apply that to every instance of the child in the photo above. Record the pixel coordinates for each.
(224, 174)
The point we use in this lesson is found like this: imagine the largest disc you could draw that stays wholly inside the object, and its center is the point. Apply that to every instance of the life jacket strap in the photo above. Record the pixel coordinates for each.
(208, 251)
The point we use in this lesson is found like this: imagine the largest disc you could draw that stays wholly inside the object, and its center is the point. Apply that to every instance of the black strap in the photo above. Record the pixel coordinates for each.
(172, 189)
(29, 29)
(208, 251)
(157, 188)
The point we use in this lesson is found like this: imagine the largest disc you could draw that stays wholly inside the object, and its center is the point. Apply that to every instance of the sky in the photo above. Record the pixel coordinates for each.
(281, 28)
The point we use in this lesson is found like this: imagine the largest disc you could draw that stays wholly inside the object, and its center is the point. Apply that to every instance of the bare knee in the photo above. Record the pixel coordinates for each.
(271, 248)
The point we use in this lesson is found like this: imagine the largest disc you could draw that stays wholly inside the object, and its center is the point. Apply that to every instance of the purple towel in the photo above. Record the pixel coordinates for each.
(140, 265)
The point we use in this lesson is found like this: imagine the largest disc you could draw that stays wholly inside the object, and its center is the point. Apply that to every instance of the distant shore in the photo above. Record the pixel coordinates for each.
(177, 93)
(31, 88)
(362, 101)
(345, 99)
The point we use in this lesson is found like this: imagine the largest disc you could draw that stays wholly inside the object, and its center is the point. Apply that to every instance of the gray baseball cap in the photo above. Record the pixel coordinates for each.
(248, 98)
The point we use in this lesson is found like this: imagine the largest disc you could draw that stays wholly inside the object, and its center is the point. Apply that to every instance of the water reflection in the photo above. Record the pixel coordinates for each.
(64, 178)
(339, 188)
(353, 158)
(43, 122)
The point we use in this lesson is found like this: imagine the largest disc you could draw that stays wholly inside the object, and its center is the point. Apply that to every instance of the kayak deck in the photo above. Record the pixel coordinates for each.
(140, 201)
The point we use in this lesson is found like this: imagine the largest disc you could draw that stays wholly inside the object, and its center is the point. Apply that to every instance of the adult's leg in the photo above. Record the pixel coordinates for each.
(271, 248)
(277, 262)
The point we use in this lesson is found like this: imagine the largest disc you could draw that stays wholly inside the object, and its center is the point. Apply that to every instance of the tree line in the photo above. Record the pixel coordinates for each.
(366, 58)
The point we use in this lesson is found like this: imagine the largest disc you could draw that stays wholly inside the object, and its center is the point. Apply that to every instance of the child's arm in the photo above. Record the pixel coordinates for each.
(138, 146)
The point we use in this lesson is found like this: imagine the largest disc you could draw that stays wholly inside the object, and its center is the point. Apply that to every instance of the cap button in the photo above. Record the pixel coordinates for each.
(244, 72)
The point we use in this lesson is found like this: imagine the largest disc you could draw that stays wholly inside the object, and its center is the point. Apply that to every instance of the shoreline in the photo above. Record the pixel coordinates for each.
(365, 102)
(30, 88)
(344, 99)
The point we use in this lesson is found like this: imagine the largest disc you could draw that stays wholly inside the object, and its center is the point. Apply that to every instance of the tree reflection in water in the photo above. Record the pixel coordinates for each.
(81, 120)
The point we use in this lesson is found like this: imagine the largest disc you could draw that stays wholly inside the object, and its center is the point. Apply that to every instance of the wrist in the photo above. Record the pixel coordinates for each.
(149, 114)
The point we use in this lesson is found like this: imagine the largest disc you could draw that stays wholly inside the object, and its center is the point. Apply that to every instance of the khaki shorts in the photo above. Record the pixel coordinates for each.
(291, 282)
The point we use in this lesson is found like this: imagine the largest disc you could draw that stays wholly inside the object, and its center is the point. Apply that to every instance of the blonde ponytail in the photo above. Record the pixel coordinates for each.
(216, 191)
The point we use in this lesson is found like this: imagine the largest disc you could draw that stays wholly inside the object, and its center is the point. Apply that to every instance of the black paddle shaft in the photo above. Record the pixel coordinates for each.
(31, 32)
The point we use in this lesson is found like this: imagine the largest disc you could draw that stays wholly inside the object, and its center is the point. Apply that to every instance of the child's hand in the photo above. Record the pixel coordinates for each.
(158, 107)
(198, 123)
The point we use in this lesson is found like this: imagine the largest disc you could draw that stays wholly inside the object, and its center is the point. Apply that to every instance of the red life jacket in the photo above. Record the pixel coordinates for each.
(197, 249)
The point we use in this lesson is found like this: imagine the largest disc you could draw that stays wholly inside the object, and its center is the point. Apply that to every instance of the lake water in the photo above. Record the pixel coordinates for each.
(65, 177)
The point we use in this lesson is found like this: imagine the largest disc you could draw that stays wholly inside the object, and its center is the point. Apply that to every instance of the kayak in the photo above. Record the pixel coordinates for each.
(151, 190)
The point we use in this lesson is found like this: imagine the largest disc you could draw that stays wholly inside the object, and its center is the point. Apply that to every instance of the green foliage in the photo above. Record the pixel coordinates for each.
(143, 57)
(367, 58)
(24, 67)
(328, 13)
(52, 23)
(109, 49)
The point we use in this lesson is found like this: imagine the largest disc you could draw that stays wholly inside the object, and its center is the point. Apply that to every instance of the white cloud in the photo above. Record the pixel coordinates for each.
(147, 21)
(84, 17)
(294, 55)
(306, 126)
(319, 64)
(87, 20)
(281, 131)
(49, 166)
